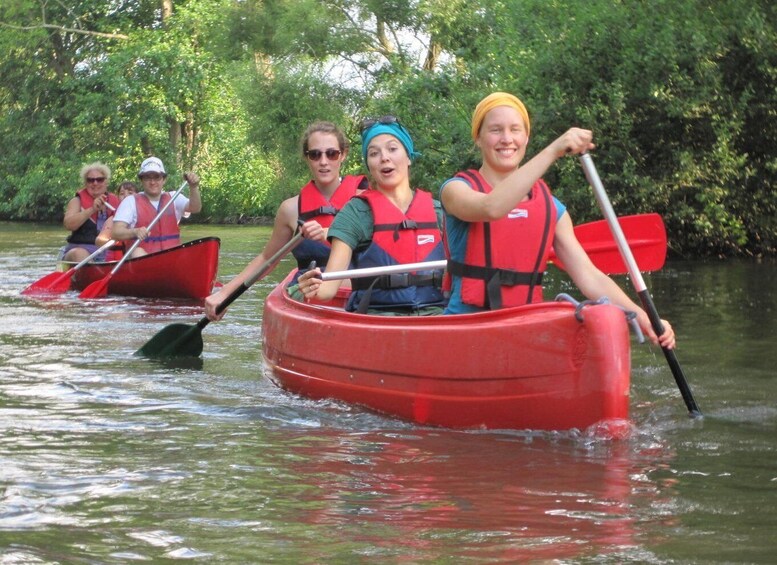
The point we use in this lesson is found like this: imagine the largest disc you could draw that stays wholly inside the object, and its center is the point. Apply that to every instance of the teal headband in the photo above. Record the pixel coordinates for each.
(397, 130)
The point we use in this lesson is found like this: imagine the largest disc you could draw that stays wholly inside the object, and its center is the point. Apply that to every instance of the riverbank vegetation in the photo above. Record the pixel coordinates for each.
(681, 95)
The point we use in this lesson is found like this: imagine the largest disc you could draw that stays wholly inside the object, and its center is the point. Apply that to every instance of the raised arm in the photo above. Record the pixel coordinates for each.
(473, 206)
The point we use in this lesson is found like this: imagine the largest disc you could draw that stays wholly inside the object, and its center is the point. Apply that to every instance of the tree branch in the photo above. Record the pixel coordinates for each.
(68, 30)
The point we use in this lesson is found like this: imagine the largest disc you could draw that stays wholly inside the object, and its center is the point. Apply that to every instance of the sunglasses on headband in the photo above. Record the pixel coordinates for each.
(388, 120)
(315, 154)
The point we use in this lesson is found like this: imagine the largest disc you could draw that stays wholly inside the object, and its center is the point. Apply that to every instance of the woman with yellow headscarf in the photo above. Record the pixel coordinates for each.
(502, 220)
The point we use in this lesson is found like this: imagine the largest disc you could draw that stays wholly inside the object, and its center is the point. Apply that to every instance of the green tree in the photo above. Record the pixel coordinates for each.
(680, 95)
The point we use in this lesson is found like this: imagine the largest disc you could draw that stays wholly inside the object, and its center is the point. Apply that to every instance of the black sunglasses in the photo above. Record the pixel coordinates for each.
(388, 120)
(95, 179)
(315, 154)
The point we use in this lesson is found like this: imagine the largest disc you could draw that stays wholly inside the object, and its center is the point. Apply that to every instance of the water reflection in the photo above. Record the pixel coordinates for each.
(504, 498)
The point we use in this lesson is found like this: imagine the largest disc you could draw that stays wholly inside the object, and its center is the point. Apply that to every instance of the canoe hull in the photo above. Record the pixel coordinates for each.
(532, 367)
(186, 271)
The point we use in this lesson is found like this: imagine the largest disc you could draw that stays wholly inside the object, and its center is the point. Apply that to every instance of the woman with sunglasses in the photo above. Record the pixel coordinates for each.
(502, 220)
(325, 149)
(388, 225)
(87, 212)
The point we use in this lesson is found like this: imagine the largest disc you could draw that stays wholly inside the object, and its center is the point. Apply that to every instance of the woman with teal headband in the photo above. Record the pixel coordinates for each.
(388, 225)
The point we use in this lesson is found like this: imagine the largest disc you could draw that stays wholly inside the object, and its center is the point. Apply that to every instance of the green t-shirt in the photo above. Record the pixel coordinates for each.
(354, 223)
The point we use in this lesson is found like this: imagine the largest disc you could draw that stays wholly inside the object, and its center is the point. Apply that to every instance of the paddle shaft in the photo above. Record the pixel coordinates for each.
(268, 266)
(178, 340)
(93, 255)
(636, 277)
(148, 227)
(384, 270)
(249, 282)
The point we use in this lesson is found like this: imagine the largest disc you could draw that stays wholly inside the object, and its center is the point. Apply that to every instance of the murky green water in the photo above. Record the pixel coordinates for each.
(107, 458)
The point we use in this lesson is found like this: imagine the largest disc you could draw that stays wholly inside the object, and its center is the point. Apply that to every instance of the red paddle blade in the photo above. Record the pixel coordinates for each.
(53, 283)
(645, 234)
(97, 289)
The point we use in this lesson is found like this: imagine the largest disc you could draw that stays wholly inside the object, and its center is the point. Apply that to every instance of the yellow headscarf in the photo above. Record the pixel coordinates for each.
(492, 101)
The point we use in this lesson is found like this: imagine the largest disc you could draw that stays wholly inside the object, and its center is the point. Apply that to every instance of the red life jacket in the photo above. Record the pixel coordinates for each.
(90, 229)
(505, 259)
(399, 238)
(312, 205)
(165, 233)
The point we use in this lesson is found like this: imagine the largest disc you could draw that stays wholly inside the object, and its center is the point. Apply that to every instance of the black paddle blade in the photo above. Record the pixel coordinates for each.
(175, 340)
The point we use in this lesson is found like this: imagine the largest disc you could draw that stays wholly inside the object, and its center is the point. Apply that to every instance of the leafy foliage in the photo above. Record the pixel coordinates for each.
(681, 96)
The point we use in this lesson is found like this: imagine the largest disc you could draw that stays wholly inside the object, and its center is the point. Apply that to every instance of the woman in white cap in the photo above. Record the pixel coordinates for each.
(88, 211)
(137, 212)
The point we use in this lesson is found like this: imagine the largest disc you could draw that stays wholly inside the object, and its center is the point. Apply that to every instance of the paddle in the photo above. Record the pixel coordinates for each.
(637, 280)
(57, 283)
(183, 340)
(99, 288)
(646, 234)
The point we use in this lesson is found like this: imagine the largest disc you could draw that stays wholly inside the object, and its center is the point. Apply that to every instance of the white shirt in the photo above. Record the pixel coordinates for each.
(127, 212)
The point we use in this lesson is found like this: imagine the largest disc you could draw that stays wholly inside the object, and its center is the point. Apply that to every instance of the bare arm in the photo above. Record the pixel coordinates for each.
(105, 235)
(473, 206)
(282, 232)
(594, 284)
(121, 232)
(75, 216)
(195, 202)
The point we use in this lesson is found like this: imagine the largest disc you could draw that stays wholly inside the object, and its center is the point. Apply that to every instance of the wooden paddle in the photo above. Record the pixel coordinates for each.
(637, 280)
(57, 283)
(99, 288)
(183, 340)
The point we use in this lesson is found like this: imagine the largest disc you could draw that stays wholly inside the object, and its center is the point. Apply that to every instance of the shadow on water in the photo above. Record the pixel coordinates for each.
(107, 457)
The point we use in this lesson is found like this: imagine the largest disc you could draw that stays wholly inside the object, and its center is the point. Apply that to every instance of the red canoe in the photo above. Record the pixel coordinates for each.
(530, 367)
(186, 271)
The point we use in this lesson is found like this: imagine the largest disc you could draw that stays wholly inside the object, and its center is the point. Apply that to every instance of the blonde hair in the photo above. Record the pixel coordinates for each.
(104, 169)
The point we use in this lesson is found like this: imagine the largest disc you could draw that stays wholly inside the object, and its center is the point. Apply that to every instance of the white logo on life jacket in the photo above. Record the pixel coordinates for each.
(518, 213)
(424, 239)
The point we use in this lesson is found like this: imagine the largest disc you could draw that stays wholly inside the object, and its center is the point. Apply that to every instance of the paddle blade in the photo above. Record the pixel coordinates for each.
(175, 340)
(53, 283)
(646, 236)
(97, 289)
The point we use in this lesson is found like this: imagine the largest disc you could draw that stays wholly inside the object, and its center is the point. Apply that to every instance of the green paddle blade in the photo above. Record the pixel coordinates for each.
(175, 340)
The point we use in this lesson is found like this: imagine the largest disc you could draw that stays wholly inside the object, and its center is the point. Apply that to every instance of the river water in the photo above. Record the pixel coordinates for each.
(109, 458)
